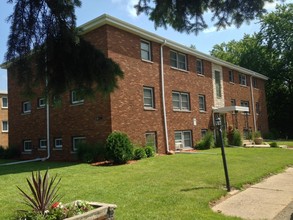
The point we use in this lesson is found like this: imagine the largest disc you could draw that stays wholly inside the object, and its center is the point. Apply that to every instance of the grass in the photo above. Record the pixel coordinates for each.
(164, 187)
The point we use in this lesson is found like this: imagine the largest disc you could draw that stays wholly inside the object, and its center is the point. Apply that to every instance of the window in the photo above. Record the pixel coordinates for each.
(199, 66)
(26, 107)
(180, 101)
(245, 104)
(150, 139)
(77, 141)
(41, 102)
(58, 143)
(202, 103)
(4, 102)
(254, 83)
(218, 84)
(242, 79)
(27, 145)
(231, 76)
(43, 144)
(178, 60)
(148, 97)
(203, 132)
(233, 102)
(145, 50)
(182, 139)
(76, 97)
(4, 126)
(257, 108)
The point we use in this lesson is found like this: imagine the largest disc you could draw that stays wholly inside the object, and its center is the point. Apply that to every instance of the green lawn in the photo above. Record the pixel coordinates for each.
(164, 187)
(280, 142)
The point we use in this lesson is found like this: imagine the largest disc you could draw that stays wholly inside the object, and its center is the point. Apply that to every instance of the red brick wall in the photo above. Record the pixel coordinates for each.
(3, 117)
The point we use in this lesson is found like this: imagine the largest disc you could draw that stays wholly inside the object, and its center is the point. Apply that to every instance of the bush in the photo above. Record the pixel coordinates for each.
(274, 144)
(236, 138)
(139, 153)
(207, 142)
(224, 137)
(119, 148)
(89, 153)
(150, 152)
(11, 152)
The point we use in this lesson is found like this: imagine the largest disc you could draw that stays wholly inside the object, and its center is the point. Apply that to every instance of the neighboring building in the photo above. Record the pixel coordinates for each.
(168, 98)
(4, 119)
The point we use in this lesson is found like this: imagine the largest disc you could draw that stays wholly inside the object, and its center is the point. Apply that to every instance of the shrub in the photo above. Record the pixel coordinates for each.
(207, 142)
(10, 152)
(224, 137)
(274, 144)
(43, 190)
(119, 148)
(139, 153)
(236, 139)
(150, 152)
(89, 153)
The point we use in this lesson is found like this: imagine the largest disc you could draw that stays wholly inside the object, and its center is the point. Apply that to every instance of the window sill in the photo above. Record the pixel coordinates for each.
(232, 83)
(147, 61)
(26, 113)
(178, 110)
(181, 70)
(149, 109)
(4, 108)
(41, 107)
(77, 104)
(42, 149)
(201, 74)
(5, 132)
(203, 111)
(57, 149)
(245, 86)
(73, 152)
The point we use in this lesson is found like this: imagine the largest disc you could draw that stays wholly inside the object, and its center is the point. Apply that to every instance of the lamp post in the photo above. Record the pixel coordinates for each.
(219, 125)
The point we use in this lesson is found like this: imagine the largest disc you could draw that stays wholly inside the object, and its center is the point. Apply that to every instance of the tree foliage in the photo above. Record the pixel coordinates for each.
(45, 45)
(269, 52)
(187, 15)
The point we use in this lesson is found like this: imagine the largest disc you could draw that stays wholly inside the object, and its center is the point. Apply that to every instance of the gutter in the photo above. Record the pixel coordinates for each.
(253, 107)
(163, 96)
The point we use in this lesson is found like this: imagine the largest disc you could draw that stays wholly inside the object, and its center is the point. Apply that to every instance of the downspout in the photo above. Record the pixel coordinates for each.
(163, 97)
(253, 107)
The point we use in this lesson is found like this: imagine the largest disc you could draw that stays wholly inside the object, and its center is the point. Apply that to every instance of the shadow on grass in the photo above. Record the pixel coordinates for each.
(198, 188)
(31, 166)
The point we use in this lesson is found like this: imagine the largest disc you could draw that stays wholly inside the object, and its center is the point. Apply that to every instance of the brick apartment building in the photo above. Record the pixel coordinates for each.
(168, 98)
(3, 119)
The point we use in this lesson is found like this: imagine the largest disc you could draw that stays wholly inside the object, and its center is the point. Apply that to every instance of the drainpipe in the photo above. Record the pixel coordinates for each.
(253, 107)
(48, 125)
(163, 97)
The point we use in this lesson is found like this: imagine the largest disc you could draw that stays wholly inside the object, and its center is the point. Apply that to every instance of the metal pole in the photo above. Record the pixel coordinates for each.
(224, 160)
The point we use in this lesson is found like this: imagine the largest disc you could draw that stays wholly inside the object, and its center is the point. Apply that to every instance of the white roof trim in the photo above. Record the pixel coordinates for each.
(231, 109)
(107, 19)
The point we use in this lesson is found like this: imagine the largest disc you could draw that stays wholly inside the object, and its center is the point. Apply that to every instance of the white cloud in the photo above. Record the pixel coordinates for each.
(270, 6)
(127, 5)
(214, 29)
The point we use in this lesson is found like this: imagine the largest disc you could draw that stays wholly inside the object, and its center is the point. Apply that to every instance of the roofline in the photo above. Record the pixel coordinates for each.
(109, 20)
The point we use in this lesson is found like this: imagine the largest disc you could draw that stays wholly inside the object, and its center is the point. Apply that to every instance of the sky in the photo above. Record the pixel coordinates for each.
(123, 10)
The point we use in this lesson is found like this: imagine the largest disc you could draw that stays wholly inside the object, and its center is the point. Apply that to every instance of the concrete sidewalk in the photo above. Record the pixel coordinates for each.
(270, 199)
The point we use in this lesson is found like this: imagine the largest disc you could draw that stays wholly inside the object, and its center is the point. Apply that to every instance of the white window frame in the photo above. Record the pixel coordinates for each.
(26, 107)
(56, 145)
(199, 67)
(75, 99)
(203, 132)
(242, 79)
(5, 126)
(254, 83)
(180, 143)
(151, 98)
(43, 144)
(257, 108)
(231, 76)
(178, 63)
(180, 101)
(145, 51)
(4, 106)
(75, 141)
(153, 136)
(202, 103)
(218, 84)
(245, 104)
(25, 145)
(41, 102)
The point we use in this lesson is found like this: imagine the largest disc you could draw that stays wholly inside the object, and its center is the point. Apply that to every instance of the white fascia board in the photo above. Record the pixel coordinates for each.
(231, 109)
